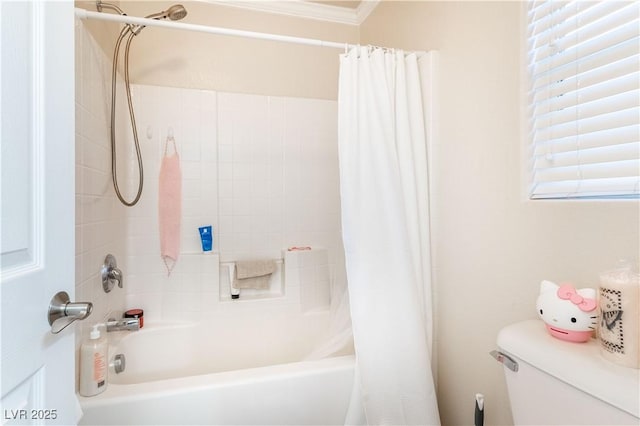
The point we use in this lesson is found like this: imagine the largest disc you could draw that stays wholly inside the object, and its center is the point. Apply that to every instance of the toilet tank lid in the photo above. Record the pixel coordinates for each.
(578, 364)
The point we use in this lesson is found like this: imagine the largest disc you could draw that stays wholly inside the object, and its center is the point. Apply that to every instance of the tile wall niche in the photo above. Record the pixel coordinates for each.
(100, 219)
(262, 171)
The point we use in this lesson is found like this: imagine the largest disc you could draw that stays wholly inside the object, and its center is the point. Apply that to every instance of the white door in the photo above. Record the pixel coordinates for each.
(37, 205)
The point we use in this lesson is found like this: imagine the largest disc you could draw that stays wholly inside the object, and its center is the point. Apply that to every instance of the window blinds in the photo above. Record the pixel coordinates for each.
(584, 98)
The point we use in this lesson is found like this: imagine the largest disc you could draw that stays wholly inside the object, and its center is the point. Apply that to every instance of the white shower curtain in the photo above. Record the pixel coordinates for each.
(385, 222)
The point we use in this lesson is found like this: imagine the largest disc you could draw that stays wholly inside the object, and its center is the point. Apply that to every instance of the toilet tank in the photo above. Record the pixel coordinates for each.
(563, 383)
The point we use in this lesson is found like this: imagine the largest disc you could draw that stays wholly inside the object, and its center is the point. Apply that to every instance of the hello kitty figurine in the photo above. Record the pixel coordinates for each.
(569, 314)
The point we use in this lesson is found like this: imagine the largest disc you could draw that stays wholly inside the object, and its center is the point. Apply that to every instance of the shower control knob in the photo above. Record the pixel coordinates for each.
(110, 274)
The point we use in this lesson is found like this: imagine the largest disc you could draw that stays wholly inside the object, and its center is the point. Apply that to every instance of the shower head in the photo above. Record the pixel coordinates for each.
(175, 13)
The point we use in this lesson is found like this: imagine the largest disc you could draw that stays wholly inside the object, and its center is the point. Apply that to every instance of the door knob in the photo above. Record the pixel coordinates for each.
(62, 312)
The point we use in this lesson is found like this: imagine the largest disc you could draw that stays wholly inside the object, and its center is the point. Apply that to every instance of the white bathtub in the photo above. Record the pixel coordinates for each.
(222, 372)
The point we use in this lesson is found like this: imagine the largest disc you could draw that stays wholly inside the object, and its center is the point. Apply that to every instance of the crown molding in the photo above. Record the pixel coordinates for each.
(364, 9)
(303, 9)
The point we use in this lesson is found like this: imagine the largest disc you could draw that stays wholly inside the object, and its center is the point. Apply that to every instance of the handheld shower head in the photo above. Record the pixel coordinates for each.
(175, 13)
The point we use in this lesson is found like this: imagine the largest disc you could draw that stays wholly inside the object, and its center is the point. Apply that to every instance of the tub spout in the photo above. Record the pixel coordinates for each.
(129, 324)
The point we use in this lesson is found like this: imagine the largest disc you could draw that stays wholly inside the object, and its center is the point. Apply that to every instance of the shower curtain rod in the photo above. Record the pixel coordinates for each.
(87, 14)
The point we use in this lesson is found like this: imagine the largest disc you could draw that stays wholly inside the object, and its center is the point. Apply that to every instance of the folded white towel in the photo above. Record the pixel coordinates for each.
(254, 274)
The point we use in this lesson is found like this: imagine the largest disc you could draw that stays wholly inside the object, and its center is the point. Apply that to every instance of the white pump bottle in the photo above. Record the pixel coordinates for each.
(93, 364)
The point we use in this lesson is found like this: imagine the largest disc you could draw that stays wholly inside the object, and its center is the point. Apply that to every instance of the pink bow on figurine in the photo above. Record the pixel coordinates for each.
(567, 292)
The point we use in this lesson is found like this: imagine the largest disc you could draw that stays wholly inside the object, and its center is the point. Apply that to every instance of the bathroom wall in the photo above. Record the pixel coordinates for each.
(99, 219)
(262, 170)
(492, 246)
(104, 33)
(205, 61)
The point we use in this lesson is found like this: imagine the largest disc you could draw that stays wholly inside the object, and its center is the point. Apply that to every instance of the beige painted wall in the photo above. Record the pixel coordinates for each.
(204, 61)
(492, 245)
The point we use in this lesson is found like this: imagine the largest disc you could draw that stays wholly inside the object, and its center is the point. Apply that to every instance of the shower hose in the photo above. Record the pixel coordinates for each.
(114, 172)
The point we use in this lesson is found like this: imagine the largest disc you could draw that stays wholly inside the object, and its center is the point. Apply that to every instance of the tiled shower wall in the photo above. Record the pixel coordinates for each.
(99, 218)
(263, 171)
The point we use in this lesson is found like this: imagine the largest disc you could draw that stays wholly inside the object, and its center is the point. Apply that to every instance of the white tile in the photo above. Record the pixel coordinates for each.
(225, 189)
(191, 189)
(225, 153)
(190, 152)
(210, 262)
(209, 207)
(191, 207)
(192, 302)
(139, 264)
(144, 245)
(225, 171)
(243, 224)
(225, 244)
(261, 150)
(192, 264)
(323, 273)
(260, 205)
(241, 206)
(225, 207)
(225, 127)
(226, 224)
(208, 143)
(243, 188)
(208, 105)
(260, 171)
(258, 188)
(242, 153)
(243, 171)
(243, 243)
(190, 169)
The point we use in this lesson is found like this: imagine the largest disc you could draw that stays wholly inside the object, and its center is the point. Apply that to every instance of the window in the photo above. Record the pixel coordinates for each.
(584, 98)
